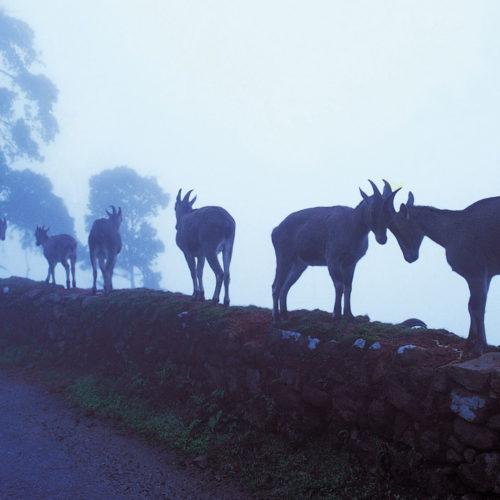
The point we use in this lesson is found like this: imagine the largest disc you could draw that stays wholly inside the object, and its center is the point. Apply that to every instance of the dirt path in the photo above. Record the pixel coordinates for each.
(48, 450)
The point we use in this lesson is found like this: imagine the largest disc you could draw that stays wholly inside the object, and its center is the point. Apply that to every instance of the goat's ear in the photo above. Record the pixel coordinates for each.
(363, 194)
(403, 210)
(120, 211)
(411, 199)
(191, 203)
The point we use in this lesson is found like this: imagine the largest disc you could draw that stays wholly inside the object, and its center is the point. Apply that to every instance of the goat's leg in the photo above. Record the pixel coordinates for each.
(227, 253)
(66, 268)
(348, 274)
(52, 273)
(282, 271)
(94, 272)
(105, 279)
(199, 273)
(47, 279)
(192, 269)
(293, 275)
(476, 340)
(73, 261)
(214, 264)
(110, 266)
(338, 282)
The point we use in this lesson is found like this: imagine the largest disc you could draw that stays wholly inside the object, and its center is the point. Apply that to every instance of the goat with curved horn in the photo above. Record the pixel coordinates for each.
(471, 239)
(203, 233)
(336, 237)
(57, 248)
(105, 244)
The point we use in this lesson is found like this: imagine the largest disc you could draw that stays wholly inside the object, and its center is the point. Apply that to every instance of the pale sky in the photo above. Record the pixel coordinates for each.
(269, 107)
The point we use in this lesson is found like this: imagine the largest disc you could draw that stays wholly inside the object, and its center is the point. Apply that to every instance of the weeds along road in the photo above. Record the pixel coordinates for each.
(50, 451)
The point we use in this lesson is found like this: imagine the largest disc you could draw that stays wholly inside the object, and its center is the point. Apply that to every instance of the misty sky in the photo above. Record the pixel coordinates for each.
(269, 107)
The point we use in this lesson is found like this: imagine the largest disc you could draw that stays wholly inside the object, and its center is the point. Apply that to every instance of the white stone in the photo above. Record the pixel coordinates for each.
(376, 346)
(404, 348)
(313, 342)
(360, 343)
(286, 334)
(466, 406)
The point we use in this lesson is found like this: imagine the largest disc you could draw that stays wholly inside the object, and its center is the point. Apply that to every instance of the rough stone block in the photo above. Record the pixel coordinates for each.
(474, 374)
(475, 436)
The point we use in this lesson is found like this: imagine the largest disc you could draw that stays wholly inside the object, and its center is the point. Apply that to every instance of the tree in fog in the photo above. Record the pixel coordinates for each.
(27, 200)
(140, 198)
(26, 97)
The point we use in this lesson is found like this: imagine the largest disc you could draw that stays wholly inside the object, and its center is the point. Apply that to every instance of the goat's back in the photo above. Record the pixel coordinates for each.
(60, 247)
(480, 227)
(308, 233)
(205, 229)
(104, 236)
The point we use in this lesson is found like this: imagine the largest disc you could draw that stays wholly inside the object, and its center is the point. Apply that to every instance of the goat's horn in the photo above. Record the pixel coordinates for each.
(390, 199)
(114, 209)
(376, 192)
(387, 189)
(179, 195)
(186, 197)
(363, 194)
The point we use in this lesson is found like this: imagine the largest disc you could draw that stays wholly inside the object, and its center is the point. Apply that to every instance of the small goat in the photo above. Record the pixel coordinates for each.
(3, 228)
(105, 244)
(203, 233)
(336, 237)
(58, 248)
(471, 238)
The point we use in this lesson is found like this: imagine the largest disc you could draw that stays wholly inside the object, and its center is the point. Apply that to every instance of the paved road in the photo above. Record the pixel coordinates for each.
(50, 451)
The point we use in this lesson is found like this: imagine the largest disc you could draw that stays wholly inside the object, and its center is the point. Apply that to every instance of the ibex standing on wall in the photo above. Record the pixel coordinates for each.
(58, 248)
(3, 228)
(336, 237)
(471, 238)
(105, 244)
(203, 233)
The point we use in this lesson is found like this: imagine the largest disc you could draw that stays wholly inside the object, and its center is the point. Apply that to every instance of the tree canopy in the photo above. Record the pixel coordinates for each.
(140, 198)
(27, 200)
(26, 97)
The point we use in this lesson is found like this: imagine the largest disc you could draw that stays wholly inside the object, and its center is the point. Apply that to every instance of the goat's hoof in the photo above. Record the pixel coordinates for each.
(226, 303)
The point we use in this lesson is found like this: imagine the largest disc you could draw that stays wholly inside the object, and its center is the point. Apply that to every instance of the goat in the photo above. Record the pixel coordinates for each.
(3, 228)
(336, 237)
(471, 239)
(203, 233)
(105, 244)
(57, 248)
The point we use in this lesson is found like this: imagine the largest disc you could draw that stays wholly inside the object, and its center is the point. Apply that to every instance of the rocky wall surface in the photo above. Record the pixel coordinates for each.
(407, 406)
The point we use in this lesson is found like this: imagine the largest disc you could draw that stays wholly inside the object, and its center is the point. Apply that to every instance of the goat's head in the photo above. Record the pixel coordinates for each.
(3, 228)
(183, 206)
(114, 216)
(41, 235)
(380, 210)
(407, 231)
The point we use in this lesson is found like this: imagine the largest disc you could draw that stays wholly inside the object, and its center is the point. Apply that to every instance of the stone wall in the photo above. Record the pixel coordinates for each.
(410, 409)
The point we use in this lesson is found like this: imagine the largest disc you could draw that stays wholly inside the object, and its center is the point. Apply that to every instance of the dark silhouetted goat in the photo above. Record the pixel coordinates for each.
(471, 238)
(58, 248)
(105, 244)
(3, 228)
(203, 233)
(336, 237)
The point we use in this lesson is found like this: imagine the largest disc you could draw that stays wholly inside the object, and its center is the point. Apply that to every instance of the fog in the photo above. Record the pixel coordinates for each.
(266, 108)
